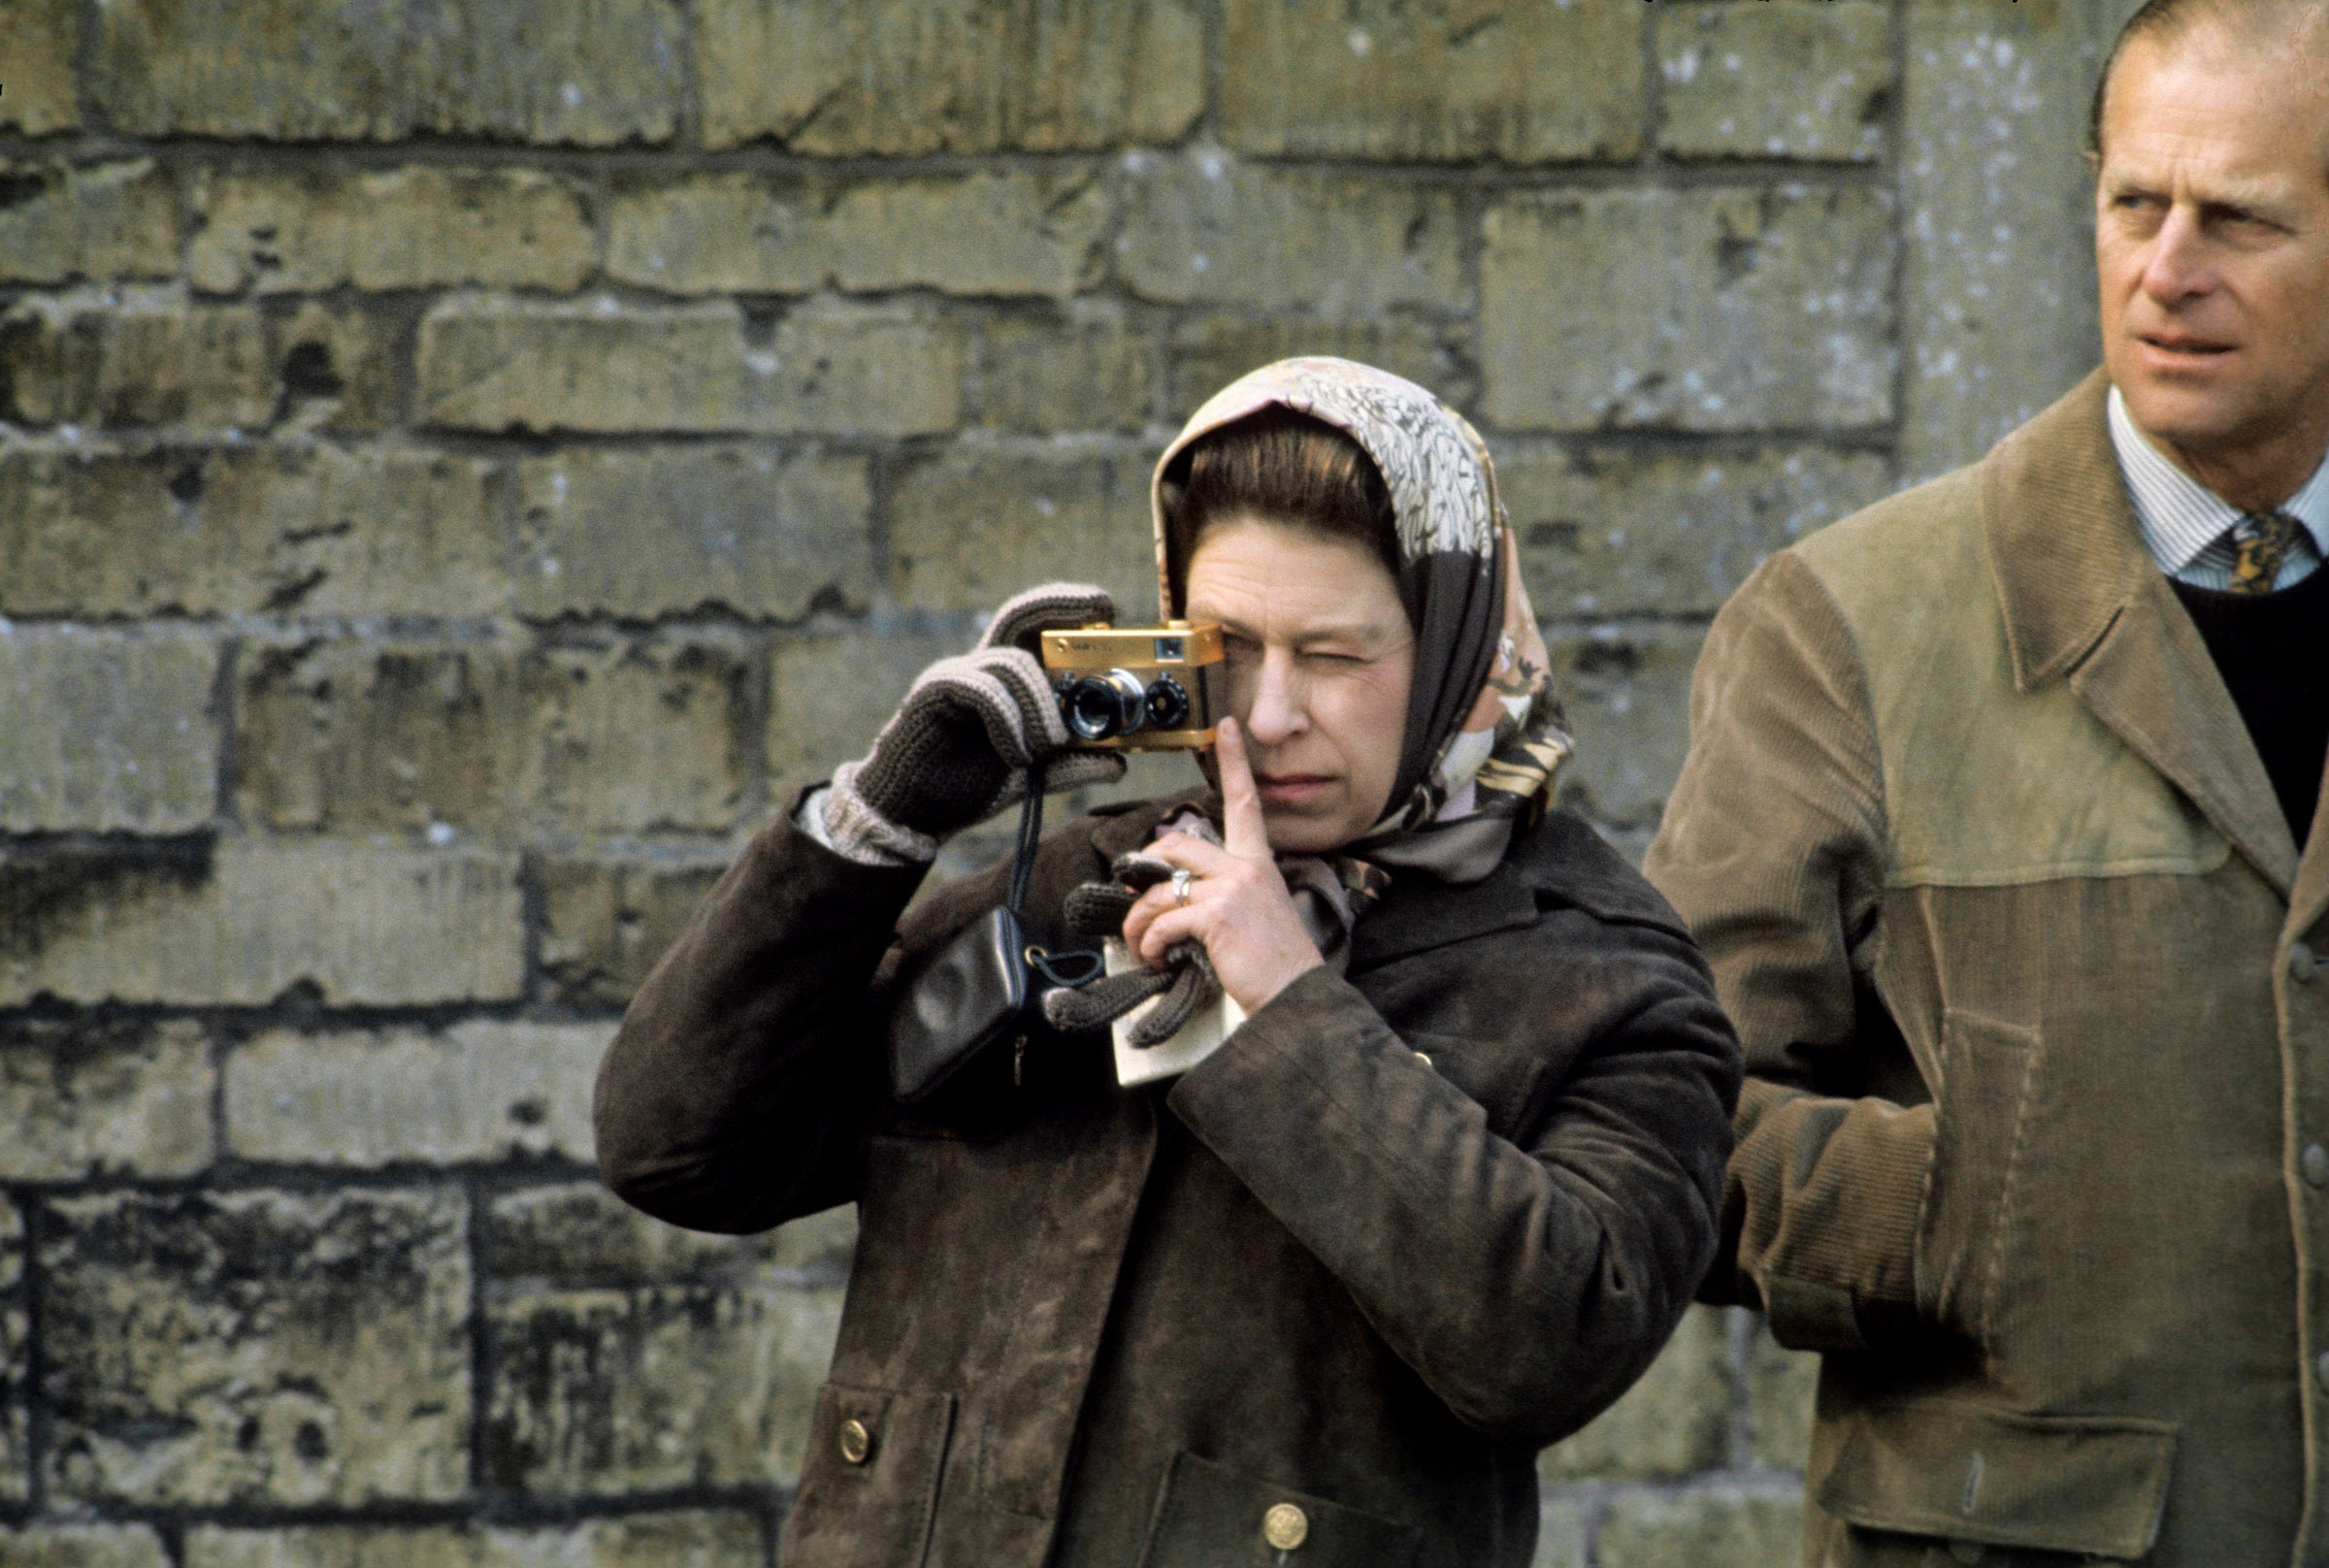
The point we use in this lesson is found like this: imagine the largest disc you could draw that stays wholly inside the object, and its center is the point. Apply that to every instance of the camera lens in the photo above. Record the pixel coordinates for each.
(1168, 703)
(1101, 708)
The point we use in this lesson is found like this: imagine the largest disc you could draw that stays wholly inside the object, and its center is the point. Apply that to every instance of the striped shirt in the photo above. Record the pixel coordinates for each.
(2187, 527)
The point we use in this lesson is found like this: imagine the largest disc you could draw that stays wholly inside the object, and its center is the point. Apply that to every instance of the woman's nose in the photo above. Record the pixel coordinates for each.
(1278, 712)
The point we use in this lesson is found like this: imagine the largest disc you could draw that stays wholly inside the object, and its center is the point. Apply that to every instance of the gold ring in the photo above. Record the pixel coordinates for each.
(1181, 878)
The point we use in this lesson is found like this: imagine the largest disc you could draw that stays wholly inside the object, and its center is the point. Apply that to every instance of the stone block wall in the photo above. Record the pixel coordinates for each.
(465, 464)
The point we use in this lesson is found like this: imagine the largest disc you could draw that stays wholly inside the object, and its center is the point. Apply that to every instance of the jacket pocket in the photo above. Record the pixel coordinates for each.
(1210, 1516)
(2081, 1484)
(871, 1486)
(1977, 1140)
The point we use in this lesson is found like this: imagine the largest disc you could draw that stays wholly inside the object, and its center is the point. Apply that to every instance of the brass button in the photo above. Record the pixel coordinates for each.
(857, 1444)
(2303, 963)
(1284, 1526)
(1425, 1059)
(2313, 1162)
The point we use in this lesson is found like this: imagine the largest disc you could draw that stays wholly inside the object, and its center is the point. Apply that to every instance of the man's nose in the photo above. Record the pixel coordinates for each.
(2178, 266)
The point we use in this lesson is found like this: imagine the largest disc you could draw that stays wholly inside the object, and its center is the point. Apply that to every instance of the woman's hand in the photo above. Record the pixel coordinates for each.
(960, 746)
(1238, 906)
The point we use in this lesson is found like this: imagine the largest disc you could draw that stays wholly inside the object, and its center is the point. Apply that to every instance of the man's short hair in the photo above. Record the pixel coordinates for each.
(2253, 22)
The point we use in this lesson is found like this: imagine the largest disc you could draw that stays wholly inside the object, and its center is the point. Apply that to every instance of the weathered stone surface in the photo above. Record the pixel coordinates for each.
(707, 1539)
(482, 1089)
(628, 1354)
(62, 222)
(147, 356)
(1628, 689)
(241, 922)
(1997, 280)
(990, 517)
(276, 231)
(1780, 79)
(1695, 310)
(1443, 81)
(847, 369)
(593, 72)
(489, 363)
(898, 77)
(82, 1546)
(1632, 533)
(983, 232)
(1781, 1383)
(577, 1235)
(606, 923)
(311, 528)
(1559, 1537)
(647, 532)
(16, 1381)
(1674, 1421)
(1210, 351)
(107, 729)
(1083, 368)
(659, 1387)
(493, 734)
(285, 526)
(116, 1097)
(258, 1347)
(41, 37)
(1209, 227)
(1711, 1530)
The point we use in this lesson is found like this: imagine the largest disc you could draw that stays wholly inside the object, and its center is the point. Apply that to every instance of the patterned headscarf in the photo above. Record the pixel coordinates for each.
(1485, 737)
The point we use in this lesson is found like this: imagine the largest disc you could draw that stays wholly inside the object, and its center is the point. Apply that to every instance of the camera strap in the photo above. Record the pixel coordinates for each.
(1069, 968)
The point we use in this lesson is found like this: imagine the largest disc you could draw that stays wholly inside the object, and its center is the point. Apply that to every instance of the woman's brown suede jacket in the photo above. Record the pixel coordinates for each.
(1404, 1227)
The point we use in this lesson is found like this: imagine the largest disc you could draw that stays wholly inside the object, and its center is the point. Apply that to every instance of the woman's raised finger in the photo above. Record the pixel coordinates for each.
(1242, 831)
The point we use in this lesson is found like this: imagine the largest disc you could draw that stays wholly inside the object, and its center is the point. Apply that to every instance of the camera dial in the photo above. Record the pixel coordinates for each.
(1168, 703)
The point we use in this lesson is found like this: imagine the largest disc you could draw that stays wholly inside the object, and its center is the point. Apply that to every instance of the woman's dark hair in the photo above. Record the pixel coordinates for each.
(1290, 469)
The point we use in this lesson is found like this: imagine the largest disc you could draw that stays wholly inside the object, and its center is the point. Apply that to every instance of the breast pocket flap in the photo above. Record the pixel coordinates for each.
(2085, 1484)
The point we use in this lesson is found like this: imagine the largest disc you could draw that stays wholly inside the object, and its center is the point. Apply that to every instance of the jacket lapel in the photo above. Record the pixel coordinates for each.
(2085, 601)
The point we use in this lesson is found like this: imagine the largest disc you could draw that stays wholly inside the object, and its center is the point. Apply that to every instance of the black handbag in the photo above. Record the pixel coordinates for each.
(977, 998)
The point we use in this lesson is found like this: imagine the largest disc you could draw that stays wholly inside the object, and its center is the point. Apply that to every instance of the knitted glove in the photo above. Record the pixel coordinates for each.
(958, 749)
(1185, 983)
(1047, 607)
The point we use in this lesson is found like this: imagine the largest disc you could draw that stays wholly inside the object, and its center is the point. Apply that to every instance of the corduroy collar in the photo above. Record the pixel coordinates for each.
(2059, 535)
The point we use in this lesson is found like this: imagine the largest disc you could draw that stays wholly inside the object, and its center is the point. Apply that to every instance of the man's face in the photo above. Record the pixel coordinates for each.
(2212, 236)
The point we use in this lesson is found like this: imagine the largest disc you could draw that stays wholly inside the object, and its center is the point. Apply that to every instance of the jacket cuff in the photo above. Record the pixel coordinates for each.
(1841, 1272)
(1304, 1012)
(837, 816)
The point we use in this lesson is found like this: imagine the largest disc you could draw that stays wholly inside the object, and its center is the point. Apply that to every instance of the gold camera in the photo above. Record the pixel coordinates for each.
(1138, 688)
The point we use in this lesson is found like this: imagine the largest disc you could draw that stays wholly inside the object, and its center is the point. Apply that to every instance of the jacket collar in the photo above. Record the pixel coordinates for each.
(2085, 602)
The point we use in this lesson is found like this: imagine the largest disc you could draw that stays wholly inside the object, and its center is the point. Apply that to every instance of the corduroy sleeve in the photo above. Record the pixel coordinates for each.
(1773, 849)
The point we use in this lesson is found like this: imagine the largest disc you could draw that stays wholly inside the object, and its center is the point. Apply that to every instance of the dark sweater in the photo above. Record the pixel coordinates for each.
(2272, 651)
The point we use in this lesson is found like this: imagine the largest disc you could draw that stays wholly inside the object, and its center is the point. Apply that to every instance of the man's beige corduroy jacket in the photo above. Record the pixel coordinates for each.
(2036, 1141)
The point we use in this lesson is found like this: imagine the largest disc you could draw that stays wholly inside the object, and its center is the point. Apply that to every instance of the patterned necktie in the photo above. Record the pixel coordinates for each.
(2260, 541)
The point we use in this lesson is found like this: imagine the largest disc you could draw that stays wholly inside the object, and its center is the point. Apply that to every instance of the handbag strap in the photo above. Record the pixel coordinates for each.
(1031, 828)
(1073, 967)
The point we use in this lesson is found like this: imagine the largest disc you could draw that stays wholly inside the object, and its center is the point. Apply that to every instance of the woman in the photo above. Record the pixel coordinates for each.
(1319, 1299)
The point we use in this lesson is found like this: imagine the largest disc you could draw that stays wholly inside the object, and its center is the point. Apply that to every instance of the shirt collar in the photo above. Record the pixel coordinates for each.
(2177, 516)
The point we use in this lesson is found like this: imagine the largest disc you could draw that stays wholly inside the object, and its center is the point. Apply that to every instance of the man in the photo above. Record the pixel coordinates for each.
(1998, 827)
